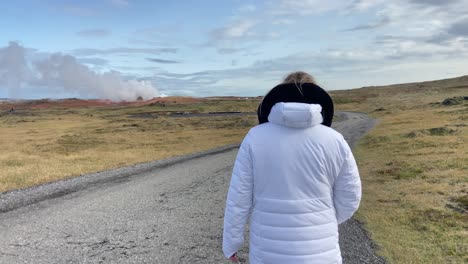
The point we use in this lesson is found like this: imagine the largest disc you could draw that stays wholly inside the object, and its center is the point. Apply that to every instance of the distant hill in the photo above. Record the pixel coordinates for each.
(435, 86)
(457, 82)
(83, 103)
(401, 96)
(339, 96)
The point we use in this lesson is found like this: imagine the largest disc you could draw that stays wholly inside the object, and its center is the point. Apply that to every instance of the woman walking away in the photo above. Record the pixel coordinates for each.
(295, 176)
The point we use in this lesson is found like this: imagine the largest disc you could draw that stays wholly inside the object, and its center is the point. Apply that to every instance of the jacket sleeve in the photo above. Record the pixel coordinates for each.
(347, 187)
(239, 201)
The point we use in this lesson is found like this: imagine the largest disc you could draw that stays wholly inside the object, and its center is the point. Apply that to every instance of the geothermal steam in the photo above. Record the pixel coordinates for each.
(21, 67)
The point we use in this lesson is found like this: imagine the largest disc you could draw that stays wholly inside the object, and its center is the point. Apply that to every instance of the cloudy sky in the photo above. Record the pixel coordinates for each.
(123, 48)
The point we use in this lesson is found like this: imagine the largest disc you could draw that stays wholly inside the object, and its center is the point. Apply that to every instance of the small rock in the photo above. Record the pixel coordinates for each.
(411, 134)
(441, 131)
(454, 100)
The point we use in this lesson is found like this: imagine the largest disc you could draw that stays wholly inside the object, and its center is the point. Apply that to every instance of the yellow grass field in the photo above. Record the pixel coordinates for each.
(414, 168)
(43, 145)
(413, 164)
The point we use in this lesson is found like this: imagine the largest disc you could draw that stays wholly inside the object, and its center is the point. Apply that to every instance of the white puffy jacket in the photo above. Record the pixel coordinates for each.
(299, 180)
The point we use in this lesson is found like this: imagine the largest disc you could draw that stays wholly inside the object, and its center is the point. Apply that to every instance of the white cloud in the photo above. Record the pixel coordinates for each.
(361, 5)
(371, 25)
(79, 10)
(305, 7)
(98, 33)
(247, 8)
(459, 28)
(93, 61)
(119, 3)
(339, 68)
(122, 50)
(414, 18)
(414, 35)
(230, 50)
(274, 35)
(283, 21)
(163, 61)
(237, 29)
(434, 2)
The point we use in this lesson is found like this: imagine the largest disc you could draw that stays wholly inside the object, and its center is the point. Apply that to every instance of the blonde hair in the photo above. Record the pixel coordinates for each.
(299, 78)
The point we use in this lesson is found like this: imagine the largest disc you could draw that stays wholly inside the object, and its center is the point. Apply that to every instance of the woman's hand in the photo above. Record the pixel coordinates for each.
(234, 258)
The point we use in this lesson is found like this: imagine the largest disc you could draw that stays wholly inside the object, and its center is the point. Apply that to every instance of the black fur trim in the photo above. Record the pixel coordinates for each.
(290, 92)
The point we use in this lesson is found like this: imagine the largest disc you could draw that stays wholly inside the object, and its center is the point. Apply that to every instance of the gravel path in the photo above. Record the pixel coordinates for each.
(167, 211)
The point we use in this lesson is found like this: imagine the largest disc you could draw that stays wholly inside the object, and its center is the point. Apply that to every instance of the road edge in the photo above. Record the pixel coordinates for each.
(14, 199)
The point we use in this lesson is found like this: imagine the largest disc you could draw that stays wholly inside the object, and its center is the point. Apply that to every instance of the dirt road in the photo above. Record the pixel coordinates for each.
(166, 212)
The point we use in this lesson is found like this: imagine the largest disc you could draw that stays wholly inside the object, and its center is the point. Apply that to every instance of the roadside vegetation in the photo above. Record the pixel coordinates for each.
(413, 164)
(40, 145)
(414, 167)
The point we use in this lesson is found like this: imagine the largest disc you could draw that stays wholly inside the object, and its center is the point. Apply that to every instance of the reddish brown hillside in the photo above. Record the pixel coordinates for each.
(82, 103)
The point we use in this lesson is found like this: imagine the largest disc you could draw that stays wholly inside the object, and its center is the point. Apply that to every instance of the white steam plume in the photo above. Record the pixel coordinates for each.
(59, 71)
(13, 67)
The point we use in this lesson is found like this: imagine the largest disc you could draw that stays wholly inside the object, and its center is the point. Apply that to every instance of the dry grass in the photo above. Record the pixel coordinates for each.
(48, 144)
(40, 146)
(413, 164)
(414, 168)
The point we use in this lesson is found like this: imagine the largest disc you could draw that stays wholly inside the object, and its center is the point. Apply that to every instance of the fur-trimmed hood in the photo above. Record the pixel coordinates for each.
(307, 93)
